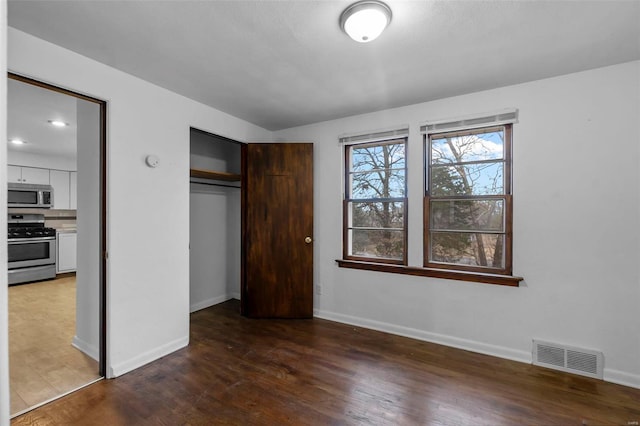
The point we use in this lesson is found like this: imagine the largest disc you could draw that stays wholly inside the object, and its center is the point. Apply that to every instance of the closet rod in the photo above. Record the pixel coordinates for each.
(215, 184)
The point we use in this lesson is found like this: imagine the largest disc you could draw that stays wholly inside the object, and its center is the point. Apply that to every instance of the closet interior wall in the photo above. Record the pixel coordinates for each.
(214, 222)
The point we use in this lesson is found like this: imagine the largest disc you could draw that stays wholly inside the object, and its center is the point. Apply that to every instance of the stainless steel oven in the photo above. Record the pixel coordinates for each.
(31, 249)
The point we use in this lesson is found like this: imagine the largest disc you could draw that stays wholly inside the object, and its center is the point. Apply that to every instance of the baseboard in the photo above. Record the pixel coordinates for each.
(441, 339)
(622, 378)
(209, 302)
(86, 348)
(146, 357)
(613, 376)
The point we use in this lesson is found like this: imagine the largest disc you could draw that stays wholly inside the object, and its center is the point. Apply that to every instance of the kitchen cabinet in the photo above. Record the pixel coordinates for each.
(64, 183)
(14, 174)
(60, 182)
(66, 256)
(21, 174)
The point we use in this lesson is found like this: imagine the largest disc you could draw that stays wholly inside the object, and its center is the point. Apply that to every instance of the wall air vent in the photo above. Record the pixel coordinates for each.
(569, 359)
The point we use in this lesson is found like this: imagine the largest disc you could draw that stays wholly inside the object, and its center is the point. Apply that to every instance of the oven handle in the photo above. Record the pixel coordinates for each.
(30, 240)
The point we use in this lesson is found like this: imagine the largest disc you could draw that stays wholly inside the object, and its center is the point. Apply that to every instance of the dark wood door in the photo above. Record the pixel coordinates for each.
(277, 230)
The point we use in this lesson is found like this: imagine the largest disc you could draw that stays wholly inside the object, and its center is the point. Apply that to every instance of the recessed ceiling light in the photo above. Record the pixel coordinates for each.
(58, 123)
(17, 141)
(365, 20)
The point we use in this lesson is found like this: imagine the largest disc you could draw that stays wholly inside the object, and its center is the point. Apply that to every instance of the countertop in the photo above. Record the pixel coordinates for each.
(66, 230)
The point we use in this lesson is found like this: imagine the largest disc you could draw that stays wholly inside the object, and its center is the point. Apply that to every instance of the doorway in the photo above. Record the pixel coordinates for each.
(57, 326)
(251, 226)
(214, 219)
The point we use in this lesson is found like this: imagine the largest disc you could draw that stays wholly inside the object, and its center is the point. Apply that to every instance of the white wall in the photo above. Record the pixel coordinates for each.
(44, 161)
(234, 243)
(4, 305)
(87, 337)
(215, 248)
(148, 209)
(576, 220)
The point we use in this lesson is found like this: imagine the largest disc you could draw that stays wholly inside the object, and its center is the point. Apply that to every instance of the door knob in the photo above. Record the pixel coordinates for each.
(308, 240)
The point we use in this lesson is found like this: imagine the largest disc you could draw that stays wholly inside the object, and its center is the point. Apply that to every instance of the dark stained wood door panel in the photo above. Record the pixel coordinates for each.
(277, 279)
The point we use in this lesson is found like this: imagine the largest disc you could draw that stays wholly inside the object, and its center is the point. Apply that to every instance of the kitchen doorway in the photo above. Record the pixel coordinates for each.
(57, 336)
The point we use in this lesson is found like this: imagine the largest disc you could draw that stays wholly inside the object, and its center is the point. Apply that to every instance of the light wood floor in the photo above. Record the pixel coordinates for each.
(42, 362)
(239, 371)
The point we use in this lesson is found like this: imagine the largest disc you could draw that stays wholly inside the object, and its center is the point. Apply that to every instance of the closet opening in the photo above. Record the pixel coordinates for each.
(214, 219)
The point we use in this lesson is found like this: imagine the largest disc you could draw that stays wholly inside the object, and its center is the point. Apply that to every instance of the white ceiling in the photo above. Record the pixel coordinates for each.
(28, 110)
(280, 64)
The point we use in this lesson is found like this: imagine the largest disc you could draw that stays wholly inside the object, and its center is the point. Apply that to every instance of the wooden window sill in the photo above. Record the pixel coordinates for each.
(477, 277)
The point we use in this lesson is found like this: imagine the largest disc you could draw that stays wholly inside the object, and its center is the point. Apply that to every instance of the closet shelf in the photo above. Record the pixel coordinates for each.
(210, 174)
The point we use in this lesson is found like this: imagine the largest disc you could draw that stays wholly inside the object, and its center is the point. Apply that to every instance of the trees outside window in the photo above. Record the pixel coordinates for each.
(375, 202)
(468, 200)
(467, 205)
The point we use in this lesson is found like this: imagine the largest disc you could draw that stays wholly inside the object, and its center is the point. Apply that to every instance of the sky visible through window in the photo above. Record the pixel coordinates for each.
(472, 163)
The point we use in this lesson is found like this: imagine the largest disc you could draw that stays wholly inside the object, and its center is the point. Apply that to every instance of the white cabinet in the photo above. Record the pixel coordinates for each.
(73, 190)
(28, 175)
(66, 252)
(34, 175)
(64, 183)
(14, 174)
(60, 182)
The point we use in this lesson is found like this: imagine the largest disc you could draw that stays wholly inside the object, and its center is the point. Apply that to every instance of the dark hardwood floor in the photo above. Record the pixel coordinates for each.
(314, 372)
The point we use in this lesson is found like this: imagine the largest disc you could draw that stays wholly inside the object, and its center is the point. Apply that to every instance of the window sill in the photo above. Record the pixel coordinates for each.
(477, 277)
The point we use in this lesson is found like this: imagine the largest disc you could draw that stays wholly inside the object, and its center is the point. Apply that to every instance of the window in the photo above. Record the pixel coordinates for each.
(467, 206)
(375, 203)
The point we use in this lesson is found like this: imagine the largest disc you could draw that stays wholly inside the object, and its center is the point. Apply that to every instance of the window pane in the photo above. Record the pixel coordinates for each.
(377, 243)
(387, 214)
(379, 184)
(471, 249)
(390, 156)
(475, 147)
(470, 179)
(480, 215)
(376, 191)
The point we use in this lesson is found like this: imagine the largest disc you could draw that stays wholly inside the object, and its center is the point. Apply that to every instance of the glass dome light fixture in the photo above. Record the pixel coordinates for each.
(365, 20)
(58, 123)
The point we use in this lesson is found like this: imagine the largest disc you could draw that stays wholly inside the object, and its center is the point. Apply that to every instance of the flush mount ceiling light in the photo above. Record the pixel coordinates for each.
(17, 141)
(365, 20)
(58, 123)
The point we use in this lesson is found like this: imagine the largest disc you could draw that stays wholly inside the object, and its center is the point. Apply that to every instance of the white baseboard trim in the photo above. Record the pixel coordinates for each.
(85, 347)
(613, 376)
(209, 302)
(441, 339)
(154, 354)
(146, 357)
(622, 378)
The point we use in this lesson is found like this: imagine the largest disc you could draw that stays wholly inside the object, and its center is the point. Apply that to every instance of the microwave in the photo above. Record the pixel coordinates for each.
(29, 195)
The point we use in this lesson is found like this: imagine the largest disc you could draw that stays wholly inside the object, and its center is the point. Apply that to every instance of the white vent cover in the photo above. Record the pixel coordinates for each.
(566, 358)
